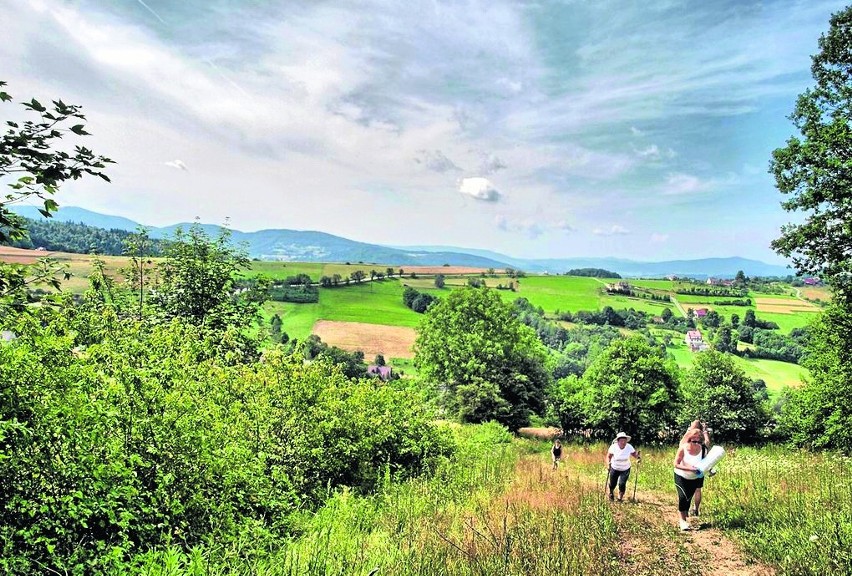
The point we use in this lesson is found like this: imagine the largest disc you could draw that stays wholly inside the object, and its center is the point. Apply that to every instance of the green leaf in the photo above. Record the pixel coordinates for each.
(78, 129)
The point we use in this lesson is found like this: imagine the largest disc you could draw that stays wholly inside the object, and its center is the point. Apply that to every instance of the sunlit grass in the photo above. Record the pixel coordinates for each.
(792, 509)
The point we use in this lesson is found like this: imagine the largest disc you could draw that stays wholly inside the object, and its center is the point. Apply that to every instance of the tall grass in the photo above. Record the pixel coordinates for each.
(486, 511)
(791, 509)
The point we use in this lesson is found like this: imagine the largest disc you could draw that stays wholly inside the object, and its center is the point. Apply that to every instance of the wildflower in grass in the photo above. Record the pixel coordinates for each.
(813, 538)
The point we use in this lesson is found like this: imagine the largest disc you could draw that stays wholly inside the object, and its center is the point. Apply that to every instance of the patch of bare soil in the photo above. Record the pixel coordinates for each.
(443, 270)
(722, 557)
(371, 339)
(20, 255)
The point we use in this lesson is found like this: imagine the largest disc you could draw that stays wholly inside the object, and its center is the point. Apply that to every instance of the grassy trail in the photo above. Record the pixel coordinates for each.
(648, 542)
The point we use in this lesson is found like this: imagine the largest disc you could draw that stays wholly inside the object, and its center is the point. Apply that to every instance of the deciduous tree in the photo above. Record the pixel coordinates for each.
(630, 386)
(30, 152)
(717, 391)
(488, 365)
(814, 169)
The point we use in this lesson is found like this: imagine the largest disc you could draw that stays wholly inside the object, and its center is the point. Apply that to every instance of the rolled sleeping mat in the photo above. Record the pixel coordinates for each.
(715, 454)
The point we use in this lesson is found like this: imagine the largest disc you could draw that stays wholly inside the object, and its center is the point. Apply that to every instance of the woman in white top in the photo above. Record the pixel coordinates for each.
(687, 477)
(705, 446)
(618, 464)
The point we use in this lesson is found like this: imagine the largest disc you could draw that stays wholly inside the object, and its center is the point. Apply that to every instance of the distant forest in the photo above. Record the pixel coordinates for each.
(593, 273)
(77, 238)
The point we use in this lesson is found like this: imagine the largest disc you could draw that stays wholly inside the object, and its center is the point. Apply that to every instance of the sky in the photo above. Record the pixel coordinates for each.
(538, 129)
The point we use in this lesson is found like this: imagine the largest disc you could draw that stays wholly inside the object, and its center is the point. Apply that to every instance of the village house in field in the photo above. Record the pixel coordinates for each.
(701, 313)
(695, 341)
(812, 281)
(383, 372)
(719, 282)
(621, 286)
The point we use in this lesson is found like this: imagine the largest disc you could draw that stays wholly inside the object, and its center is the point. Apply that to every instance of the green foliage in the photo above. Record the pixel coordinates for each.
(592, 273)
(818, 414)
(814, 169)
(30, 151)
(416, 300)
(788, 508)
(487, 363)
(169, 434)
(724, 341)
(198, 281)
(298, 293)
(19, 282)
(78, 238)
(717, 392)
(629, 387)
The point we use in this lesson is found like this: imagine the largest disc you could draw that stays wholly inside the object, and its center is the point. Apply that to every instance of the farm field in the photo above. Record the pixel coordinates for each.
(574, 293)
(380, 304)
(653, 284)
(776, 374)
(371, 339)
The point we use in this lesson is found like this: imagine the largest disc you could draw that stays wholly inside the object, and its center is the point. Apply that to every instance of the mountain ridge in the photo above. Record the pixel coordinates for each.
(316, 246)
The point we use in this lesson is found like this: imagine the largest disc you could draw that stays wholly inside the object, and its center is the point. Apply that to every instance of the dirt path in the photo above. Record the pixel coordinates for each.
(649, 540)
(721, 557)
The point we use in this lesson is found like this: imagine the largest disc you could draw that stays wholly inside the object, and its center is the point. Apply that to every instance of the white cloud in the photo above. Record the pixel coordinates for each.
(658, 238)
(479, 188)
(614, 230)
(177, 164)
(651, 151)
(635, 131)
(436, 161)
(530, 227)
(655, 153)
(491, 164)
(680, 184)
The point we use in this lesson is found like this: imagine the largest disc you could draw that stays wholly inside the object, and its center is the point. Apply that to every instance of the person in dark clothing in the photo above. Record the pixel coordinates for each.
(556, 453)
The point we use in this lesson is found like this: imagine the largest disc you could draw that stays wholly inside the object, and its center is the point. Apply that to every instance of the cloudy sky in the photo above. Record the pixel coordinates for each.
(633, 129)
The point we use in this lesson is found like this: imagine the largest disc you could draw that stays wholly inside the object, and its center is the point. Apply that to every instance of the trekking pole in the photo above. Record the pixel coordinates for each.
(636, 478)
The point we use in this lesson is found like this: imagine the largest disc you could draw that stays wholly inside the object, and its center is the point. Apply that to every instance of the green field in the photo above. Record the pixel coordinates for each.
(776, 374)
(381, 303)
(377, 302)
(574, 293)
(666, 285)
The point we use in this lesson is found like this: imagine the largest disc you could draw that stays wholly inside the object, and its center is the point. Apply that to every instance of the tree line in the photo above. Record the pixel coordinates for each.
(77, 238)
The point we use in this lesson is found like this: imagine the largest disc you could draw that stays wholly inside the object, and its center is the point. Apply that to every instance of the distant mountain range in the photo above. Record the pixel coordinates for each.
(312, 246)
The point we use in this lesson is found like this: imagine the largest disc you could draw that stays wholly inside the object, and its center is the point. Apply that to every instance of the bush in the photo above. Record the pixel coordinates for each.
(170, 434)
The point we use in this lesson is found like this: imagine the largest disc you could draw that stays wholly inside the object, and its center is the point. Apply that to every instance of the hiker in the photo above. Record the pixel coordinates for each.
(556, 453)
(687, 477)
(705, 446)
(618, 464)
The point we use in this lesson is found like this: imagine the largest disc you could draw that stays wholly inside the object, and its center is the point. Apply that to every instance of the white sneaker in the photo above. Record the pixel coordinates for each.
(684, 525)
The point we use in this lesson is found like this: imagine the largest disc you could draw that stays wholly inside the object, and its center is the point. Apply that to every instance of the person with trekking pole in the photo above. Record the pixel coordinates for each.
(618, 464)
(636, 477)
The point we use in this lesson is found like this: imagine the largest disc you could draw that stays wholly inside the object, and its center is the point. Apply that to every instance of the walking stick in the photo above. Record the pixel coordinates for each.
(636, 478)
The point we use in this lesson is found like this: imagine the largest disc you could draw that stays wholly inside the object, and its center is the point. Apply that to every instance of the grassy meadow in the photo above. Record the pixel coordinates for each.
(790, 509)
(775, 373)
(380, 302)
(497, 507)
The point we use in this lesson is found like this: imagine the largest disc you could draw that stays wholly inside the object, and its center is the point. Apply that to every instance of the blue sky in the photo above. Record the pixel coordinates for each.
(620, 128)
